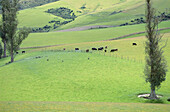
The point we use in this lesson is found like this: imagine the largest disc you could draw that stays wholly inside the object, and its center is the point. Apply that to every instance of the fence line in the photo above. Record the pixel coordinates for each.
(104, 54)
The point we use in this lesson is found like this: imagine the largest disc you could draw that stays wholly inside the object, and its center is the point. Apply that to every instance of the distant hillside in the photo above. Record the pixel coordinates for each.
(24, 4)
(33, 3)
(88, 13)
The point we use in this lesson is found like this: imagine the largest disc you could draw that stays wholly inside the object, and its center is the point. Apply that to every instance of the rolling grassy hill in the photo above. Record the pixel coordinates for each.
(115, 78)
(97, 12)
(71, 77)
(49, 78)
(56, 38)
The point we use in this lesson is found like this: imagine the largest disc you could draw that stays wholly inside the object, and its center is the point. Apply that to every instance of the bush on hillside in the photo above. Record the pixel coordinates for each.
(63, 12)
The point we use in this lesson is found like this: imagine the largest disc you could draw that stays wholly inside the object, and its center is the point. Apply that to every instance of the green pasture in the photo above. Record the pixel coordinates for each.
(59, 78)
(97, 12)
(71, 76)
(55, 38)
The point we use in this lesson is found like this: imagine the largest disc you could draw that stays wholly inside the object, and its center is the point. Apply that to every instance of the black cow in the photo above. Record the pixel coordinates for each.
(87, 50)
(23, 52)
(105, 50)
(168, 99)
(76, 49)
(101, 48)
(94, 48)
(105, 47)
(113, 50)
(64, 49)
(134, 43)
(17, 52)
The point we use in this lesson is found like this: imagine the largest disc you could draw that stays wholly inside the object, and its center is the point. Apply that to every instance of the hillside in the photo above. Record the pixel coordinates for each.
(24, 4)
(96, 12)
(83, 56)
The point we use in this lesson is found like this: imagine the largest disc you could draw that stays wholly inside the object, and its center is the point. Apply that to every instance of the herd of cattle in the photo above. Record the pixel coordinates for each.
(101, 49)
(93, 49)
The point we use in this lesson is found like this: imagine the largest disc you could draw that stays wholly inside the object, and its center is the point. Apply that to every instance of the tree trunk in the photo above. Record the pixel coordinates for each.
(12, 56)
(153, 94)
(4, 48)
(12, 53)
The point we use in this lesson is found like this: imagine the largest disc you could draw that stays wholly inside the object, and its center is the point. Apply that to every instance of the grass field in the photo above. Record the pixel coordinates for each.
(96, 12)
(54, 38)
(50, 79)
(41, 82)
(70, 77)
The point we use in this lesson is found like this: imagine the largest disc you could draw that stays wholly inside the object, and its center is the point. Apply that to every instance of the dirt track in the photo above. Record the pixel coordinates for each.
(85, 28)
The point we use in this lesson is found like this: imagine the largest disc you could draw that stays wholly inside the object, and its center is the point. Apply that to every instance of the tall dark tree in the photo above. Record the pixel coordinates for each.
(14, 36)
(5, 7)
(155, 69)
(1, 50)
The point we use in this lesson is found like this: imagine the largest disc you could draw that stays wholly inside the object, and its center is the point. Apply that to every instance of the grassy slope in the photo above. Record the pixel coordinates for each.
(97, 12)
(36, 14)
(54, 38)
(100, 79)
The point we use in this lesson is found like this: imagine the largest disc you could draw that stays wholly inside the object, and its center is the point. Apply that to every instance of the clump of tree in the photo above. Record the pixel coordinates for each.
(115, 12)
(47, 28)
(156, 67)
(163, 16)
(1, 50)
(83, 6)
(63, 12)
(14, 37)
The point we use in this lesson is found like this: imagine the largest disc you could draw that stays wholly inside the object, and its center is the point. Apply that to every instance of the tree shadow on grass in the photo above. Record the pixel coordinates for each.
(160, 101)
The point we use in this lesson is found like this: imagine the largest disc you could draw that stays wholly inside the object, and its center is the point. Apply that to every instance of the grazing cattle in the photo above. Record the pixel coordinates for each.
(23, 51)
(168, 99)
(101, 48)
(113, 50)
(17, 52)
(134, 43)
(87, 50)
(76, 49)
(64, 49)
(105, 50)
(94, 48)
(105, 47)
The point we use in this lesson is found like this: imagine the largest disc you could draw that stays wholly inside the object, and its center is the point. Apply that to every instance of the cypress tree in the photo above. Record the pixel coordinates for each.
(156, 67)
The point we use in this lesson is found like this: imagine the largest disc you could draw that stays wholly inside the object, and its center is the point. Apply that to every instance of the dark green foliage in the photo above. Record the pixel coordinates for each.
(63, 12)
(21, 35)
(155, 68)
(83, 7)
(1, 50)
(14, 36)
(115, 12)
